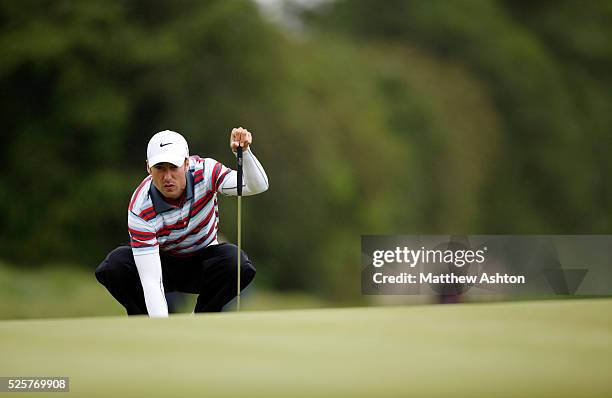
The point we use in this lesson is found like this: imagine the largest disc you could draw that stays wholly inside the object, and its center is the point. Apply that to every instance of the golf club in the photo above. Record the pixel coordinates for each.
(239, 189)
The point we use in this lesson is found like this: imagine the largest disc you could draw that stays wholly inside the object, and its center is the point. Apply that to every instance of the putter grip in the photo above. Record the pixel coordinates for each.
(239, 179)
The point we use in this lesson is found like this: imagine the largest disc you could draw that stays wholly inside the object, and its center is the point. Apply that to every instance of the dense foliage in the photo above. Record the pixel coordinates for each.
(380, 118)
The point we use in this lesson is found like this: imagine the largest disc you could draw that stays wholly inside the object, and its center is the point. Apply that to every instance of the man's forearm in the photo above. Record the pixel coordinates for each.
(255, 179)
(150, 273)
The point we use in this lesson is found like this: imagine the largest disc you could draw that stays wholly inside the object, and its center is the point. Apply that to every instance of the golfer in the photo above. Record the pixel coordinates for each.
(173, 219)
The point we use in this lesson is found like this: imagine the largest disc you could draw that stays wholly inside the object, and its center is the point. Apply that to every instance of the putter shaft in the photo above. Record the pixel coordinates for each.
(239, 192)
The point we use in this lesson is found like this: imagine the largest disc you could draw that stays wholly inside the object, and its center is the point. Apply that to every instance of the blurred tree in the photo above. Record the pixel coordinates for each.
(546, 173)
(395, 117)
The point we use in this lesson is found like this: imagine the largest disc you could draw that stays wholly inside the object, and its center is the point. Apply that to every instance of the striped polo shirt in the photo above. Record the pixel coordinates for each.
(155, 225)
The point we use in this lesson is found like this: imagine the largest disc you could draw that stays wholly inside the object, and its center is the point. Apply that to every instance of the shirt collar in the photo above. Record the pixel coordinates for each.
(158, 199)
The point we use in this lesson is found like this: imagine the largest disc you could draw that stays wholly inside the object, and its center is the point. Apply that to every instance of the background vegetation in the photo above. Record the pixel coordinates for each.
(475, 116)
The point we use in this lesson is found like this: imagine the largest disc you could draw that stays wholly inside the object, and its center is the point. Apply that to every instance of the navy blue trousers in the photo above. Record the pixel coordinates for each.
(210, 273)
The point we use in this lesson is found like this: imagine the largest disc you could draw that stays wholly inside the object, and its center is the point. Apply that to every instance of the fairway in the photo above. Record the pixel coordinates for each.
(520, 349)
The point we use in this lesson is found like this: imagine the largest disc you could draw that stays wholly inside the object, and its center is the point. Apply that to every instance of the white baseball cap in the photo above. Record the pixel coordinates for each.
(167, 146)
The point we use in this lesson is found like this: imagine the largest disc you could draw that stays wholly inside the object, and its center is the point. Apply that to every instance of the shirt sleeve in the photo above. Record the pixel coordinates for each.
(142, 235)
(254, 179)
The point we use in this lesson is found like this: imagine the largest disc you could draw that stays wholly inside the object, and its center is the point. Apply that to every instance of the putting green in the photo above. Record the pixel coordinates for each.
(547, 348)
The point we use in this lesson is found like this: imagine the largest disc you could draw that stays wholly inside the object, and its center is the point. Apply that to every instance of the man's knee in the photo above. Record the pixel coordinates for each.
(247, 273)
(247, 268)
(115, 265)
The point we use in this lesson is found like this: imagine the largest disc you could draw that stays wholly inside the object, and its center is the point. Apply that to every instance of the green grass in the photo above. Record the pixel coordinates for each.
(61, 291)
(519, 349)
(52, 291)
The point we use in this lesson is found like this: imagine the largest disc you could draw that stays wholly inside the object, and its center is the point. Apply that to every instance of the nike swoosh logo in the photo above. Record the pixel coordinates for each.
(160, 144)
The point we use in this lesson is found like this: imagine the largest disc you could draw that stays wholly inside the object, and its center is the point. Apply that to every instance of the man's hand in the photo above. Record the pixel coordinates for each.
(240, 137)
